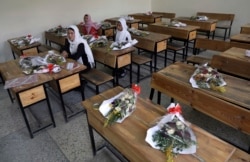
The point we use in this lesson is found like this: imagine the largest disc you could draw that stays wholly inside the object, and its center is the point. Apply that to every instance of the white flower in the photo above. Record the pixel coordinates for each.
(126, 95)
(171, 131)
(209, 69)
(118, 109)
(123, 98)
(180, 125)
(207, 75)
(130, 105)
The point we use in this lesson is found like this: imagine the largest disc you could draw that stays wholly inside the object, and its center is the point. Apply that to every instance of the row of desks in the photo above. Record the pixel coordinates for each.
(153, 42)
(207, 26)
(128, 137)
(233, 61)
(231, 107)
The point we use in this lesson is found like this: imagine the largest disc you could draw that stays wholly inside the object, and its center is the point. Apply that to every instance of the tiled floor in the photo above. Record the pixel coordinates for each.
(70, 141)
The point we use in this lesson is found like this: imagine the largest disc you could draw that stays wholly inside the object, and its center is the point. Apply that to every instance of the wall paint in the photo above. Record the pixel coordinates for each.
(24, 17)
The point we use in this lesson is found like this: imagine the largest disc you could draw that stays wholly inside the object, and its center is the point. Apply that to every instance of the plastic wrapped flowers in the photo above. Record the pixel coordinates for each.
(119, 107)
(172, 135)
(208, 78)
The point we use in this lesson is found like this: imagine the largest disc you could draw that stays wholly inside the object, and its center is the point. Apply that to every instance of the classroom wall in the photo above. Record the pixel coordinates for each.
(23, 17)
(189, 8)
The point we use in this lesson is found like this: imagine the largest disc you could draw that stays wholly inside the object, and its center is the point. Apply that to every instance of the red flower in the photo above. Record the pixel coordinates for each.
(136, 88)
(176, 109)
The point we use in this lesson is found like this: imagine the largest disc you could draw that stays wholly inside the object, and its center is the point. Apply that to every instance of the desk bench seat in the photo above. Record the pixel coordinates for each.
(97, 77)
(141, 60)
(174, 47)
(198, 60)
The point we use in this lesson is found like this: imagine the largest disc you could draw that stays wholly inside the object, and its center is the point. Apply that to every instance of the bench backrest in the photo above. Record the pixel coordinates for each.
(240, 45)
(165, 14)
(221, 17)
(218, 16)
(218, 45)
(209, 44)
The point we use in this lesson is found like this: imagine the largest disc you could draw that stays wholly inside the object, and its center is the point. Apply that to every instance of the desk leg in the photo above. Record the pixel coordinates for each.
(159, 97)
(13, 53)
(82, 89)
(208, 34)
(25, 117)
(10, 95)
(50, 110)
(186, 52)
(155, 60)
(213, 34)
(91, 135)
(115, 75)
(130, 74)
(151, 93)
(63, 107)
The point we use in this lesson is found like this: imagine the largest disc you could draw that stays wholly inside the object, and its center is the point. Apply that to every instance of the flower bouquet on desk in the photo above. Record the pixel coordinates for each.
(177, 24)
(208, 78)
(138, 32)
(122, 45)
(100, 41)
(37, 64)
(119, 107)
(59, 30)
(54, 58)
(172, 135)
(105, 25)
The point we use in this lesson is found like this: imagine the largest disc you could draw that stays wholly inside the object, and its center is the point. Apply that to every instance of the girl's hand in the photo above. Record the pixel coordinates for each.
(64, 54)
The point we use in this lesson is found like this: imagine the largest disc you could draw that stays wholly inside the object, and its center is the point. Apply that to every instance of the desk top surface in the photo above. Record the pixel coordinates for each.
(237, 53)
(11, 70)
(152, 36)
(146, 15)
(237, 90)
(128, 21)
(129, 136)
(21, 46)
(210, 21)
(246, 25)
(107, 50)
(241, 38)
(167, 26)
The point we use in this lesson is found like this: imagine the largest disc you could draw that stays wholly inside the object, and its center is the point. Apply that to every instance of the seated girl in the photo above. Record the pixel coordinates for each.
(122, 35)
(89, 27)
(77, 48)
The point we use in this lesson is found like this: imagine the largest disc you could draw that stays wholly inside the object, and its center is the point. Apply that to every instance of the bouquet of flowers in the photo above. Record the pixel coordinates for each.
(207, 77)
(122, 45)
(119, 107)
(99, 42)
(172, 135)
(105, 25)
(138, 32)
(54, 58)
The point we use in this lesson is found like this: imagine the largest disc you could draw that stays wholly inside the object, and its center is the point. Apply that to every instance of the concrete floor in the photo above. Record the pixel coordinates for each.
(70, 141)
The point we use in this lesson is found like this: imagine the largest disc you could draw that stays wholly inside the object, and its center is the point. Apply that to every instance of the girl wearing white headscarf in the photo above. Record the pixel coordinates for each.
(122, 33)
(77, 48)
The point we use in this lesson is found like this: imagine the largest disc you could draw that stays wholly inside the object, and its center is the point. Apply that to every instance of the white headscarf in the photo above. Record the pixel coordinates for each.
(74, 45)
(122, 35)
